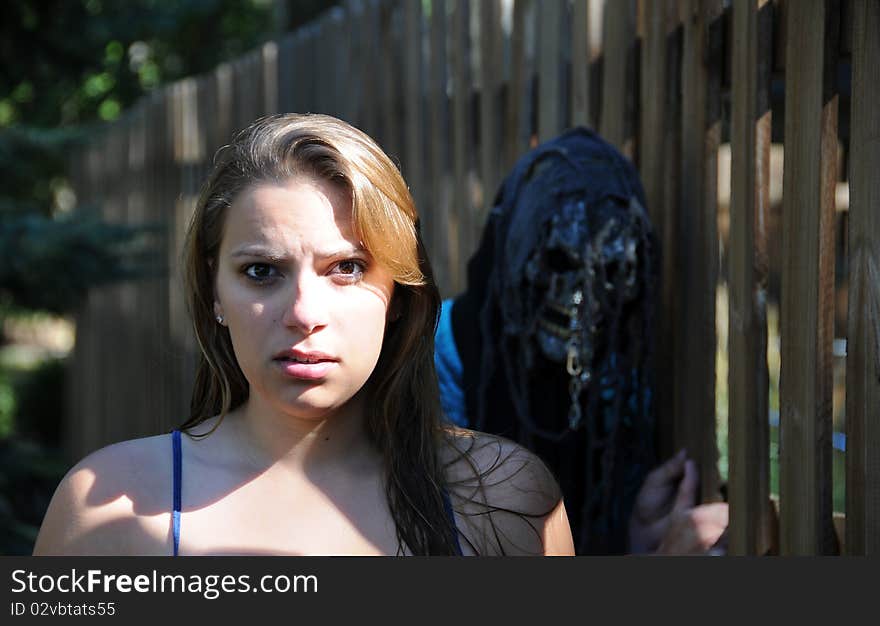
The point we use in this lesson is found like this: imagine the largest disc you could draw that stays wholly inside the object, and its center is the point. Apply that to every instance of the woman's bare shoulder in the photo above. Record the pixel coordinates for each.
(503, 492)
(102, 504)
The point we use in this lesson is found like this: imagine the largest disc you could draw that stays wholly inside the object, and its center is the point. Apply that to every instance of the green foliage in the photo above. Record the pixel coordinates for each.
(49, 264)
(68, 61)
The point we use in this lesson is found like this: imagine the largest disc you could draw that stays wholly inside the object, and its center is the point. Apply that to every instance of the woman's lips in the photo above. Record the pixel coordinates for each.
(306, 371)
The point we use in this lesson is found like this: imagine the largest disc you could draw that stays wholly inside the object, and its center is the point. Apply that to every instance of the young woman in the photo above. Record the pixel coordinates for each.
(315, 423)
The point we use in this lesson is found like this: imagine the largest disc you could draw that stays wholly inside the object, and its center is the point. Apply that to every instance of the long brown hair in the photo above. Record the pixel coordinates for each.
(403, 408)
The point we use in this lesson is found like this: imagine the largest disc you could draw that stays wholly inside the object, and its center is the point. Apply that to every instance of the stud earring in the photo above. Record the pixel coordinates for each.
(219, 319)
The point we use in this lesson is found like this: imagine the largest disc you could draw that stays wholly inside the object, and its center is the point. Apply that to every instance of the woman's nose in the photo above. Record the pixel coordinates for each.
(306, 308)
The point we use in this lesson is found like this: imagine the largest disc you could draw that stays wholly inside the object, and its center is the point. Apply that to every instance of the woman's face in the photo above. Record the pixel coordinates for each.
(305, 304)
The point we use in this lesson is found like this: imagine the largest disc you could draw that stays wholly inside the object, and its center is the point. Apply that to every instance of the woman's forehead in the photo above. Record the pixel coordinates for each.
(291, 212)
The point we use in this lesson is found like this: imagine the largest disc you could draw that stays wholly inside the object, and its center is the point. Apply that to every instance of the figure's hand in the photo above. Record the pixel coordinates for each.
(665, 520)
(696, 531)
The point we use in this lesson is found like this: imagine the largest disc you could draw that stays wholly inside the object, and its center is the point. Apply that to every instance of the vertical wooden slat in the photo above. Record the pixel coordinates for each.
(516, 132)
(580, 63)
(117, 301)
(490, 76)
(749, 447)
(698, 244)
(653, 107)
(390, 79)
(460, 136)
(97, 302)
(550, 113)
(285, 73)
(156, 322)
(159, 212)
(133, 160)
(413, 165)
(271, 92)
(309, 67)
(442, 222)
(659, 155)
(340, 77)
(370, 33)
(863, 329)
(75, 379)
(807, 280)
(618, 74)
(357, 60)
(322, 64)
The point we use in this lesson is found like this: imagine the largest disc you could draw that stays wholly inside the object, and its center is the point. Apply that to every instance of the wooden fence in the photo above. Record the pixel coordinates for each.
(455, 91)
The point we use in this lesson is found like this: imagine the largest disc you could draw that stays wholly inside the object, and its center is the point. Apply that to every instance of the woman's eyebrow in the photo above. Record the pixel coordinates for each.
(345, 250)
(276, 255)
(258, 251)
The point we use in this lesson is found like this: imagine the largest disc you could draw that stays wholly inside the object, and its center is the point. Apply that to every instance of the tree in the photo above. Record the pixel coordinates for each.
(71, 65)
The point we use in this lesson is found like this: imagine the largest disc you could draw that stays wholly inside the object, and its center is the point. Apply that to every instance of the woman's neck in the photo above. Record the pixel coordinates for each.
(268, 437)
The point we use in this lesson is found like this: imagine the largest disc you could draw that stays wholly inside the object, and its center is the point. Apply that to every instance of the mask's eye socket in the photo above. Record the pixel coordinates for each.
(560, 261)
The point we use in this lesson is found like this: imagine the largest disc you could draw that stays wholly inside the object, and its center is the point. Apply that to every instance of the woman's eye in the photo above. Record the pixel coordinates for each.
(350, 270)
(259, 272)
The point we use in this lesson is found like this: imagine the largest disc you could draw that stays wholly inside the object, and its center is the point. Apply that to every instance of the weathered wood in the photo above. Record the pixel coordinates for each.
(440, 220)
(807, 280)
(390, 78)
(748, 379)
(358, 57)
(618, 79)
(413, 162)
(653, 107)
(369, 67)
(490, 77)
(863, 325)
(667, 228)
(550, 114)
(285, 73)
(516, 131)
(580, 63)
(698, 243)
(269, 75)
(461, 93)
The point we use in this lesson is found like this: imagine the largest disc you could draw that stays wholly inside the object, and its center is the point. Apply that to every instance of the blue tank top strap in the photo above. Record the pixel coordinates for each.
(175, 511)
(447, 504)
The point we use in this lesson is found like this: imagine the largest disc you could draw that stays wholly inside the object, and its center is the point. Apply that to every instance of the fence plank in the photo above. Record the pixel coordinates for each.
(413, 164)
(668, 233)
(390, 120)
(550, 114)
(490, 77)
(807, 281)
(618, 79)
(461, 94)
(370, 80)
(439, 217)
(653, 107)
(749, 449)
(285, 75)
(516, 133)
(357, 58)
(580, 63)
(271, 92)
(863, 329)
(698, 243)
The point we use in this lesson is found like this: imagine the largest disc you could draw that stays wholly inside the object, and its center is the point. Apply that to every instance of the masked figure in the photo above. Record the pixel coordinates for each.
(549, 343)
